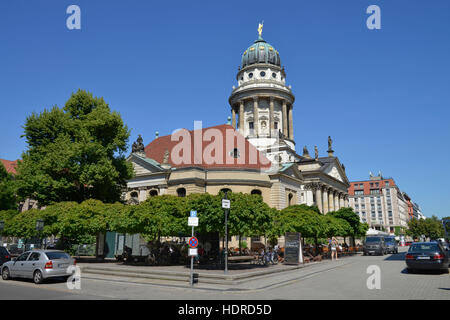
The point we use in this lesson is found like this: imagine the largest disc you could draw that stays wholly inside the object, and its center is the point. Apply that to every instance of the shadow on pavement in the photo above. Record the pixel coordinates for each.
(231, 266)
(396, 257)
(419, 272)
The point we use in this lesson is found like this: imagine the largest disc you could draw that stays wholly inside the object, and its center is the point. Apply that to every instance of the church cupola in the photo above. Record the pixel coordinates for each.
(262, 103)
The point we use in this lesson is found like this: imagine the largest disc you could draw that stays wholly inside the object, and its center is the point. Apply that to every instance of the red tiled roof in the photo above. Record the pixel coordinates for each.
(253, 158)
(9, 165)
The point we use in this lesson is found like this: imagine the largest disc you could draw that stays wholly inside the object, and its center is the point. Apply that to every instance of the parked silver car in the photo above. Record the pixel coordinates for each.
(38, 265)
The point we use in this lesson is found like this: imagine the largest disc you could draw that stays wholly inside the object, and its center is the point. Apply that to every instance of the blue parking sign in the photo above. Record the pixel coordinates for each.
(193, 213)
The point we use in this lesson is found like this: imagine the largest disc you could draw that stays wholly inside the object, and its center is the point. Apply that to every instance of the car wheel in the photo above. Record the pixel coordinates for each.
(5, 274)
(445, 270)
(37, 277)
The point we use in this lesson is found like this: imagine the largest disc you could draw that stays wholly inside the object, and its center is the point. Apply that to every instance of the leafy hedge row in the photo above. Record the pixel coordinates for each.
(167, 216)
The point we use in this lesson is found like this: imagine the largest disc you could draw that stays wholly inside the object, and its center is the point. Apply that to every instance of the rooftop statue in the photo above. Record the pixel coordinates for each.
(138, 146)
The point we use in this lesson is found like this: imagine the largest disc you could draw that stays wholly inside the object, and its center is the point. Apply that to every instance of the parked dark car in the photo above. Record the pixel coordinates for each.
(374, 245)
(5, 256)
(391, 244)
(427, 256)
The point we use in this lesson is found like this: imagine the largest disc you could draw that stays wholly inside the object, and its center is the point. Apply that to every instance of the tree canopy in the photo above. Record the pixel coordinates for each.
(431, 228)
(75, 153)
(7, 190)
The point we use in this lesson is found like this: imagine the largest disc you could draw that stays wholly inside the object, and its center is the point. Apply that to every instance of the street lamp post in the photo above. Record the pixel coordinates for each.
(39, 228)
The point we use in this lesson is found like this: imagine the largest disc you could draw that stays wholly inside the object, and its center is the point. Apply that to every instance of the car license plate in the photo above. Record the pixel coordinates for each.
(423, 258)
(63, 265)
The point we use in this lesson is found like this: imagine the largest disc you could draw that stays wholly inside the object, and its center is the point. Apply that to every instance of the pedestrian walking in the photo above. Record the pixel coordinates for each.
(334, 245)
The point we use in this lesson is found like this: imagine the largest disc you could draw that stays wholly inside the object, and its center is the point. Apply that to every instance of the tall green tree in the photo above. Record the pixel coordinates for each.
(7, 190)
(351, 218)
(75, 153)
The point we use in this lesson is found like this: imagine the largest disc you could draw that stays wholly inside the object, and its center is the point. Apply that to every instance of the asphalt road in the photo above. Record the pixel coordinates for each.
(345, 279)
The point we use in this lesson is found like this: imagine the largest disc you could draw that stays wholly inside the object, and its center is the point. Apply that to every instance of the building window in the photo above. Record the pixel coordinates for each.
(235, 153)
(250, 125)
(153, 193)
(290, 199)
(387, 183)
(256, 191)
(274, 75)
(262, 74)
(359, 192)
(275, 125)
(181, 192)
(250, 75)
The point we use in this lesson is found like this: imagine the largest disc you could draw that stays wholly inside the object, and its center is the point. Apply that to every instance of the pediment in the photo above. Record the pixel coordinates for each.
(335, 171)
(144, 166)
(293, 172)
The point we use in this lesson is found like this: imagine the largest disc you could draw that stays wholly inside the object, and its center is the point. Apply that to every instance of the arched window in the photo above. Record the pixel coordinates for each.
(134, 198)
(290, 197)
(181, 192)
(256, 191)
(225, 190)
(153, 193)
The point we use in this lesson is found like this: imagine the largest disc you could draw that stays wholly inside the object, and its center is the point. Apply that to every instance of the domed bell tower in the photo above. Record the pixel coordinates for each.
(262, 104)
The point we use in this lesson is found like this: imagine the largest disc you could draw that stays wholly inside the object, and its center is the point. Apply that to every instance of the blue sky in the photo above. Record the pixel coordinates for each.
(383, 95)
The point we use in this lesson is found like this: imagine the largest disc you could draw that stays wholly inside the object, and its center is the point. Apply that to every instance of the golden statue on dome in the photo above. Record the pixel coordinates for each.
(260, 28)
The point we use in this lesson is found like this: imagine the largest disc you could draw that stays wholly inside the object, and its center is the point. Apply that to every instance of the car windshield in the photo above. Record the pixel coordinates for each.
(3, 250)
(372, 240)
(424, 247)
(57, 255)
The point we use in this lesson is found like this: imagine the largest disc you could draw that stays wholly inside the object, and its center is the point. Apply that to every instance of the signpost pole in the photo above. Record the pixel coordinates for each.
(192, 263)
(226, 237)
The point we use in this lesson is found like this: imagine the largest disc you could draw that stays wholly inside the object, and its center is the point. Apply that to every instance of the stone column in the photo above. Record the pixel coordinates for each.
(331, 200)
(284, 111)
(336, 201)
(346, 201)
(319, 198)
(272, 122)
(241, 117)
(341, 200)
(255, 115)
(291, 123)
(325, 200)
(233, 121)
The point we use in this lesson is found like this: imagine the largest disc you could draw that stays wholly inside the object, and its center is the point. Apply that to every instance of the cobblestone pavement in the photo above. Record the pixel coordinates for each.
(342, 279)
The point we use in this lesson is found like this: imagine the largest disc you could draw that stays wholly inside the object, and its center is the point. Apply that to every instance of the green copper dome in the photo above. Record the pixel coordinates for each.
(260, 52)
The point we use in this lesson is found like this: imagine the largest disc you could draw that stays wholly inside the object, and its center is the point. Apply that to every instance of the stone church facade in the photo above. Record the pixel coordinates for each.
(261, 157)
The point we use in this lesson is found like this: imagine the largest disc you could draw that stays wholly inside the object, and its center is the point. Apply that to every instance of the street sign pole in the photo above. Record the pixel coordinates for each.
(226, 238)
(192, 263)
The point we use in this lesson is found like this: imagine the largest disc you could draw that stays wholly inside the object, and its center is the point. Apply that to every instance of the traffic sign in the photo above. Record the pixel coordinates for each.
(193, 221)
(193, 213)
(225, 204)
(193, 252)
(193, 242)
